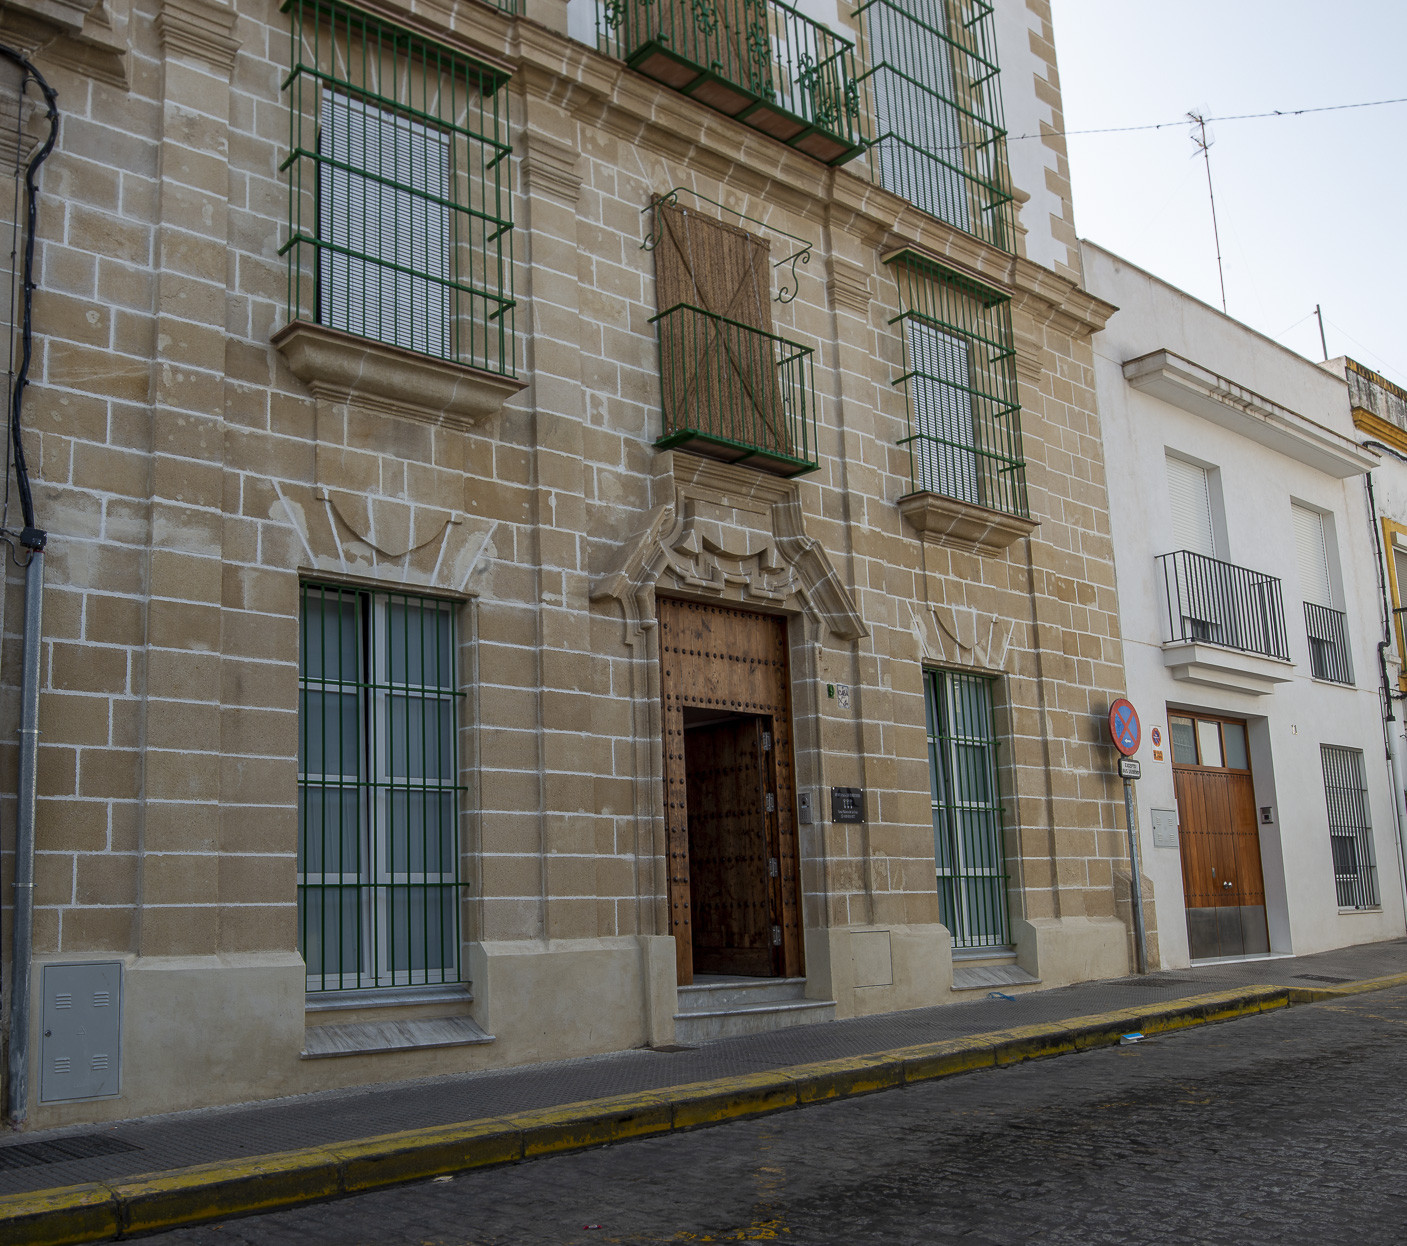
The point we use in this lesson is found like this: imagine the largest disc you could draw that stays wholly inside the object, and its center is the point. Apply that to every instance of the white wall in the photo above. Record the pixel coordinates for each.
(1287, 725)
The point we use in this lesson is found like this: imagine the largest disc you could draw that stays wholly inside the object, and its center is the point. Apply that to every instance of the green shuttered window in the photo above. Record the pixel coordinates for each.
(400, 216)
(378, 790)
(968, 848)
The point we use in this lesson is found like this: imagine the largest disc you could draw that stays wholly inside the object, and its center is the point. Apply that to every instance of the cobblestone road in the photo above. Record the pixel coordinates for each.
(1281, 1129)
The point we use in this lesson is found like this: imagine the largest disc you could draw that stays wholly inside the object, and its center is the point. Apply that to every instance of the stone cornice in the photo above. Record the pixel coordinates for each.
(201, 29)
(850, 286)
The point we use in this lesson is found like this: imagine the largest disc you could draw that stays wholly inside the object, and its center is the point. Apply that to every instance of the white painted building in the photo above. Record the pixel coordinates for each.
(1248, 602)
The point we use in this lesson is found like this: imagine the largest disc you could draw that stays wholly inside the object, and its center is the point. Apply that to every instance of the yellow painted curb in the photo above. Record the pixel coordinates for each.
(75, 1213)
(100, 1211)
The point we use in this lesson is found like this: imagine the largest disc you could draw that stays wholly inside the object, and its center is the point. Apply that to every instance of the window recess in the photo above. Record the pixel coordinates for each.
(1350, 830)
(400, 221)
(378, 791)
(963, 437)
(969, 851)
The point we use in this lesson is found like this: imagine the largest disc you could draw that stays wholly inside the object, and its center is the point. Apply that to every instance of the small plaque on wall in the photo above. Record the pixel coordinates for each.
(1164, 828)
(847, 804)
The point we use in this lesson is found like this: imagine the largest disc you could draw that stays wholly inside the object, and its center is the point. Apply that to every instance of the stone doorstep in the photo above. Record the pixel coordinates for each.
(369, 1037)
(728, 1007)
(990, 975)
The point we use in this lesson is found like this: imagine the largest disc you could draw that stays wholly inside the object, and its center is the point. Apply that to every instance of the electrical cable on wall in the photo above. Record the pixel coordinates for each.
(31, 535)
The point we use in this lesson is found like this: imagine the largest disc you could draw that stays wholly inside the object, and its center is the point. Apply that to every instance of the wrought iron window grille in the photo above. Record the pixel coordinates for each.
(378, 790)
(1350, 830)
(1216, 602)
(933, 111)
(1328, 643)
(964, 420)
(400, 215)
(969, 843)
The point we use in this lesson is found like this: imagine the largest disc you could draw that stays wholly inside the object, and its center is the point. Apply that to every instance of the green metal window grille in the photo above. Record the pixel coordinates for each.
(1350, 831)
(400, 214)
(761, 61)
(964, 427)
(735, 392)
(934, 113)
(378, 790)
(967, 816)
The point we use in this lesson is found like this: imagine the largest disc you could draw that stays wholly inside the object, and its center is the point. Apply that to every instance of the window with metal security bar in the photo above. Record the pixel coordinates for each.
(933, 108)
(968, 847)
(378, 789)
(1350, 831)
(964, 429)
(1325, 628)
(400, 217)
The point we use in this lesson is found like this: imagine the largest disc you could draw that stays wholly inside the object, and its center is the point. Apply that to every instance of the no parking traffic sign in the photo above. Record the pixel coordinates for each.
(1124, 727)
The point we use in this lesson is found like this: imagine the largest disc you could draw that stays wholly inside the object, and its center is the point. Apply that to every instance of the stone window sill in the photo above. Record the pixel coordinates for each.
(341, 367)
(963, 525)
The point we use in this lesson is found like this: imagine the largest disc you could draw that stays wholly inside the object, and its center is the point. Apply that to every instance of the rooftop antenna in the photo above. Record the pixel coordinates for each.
(1322, 342)
(1203, 143)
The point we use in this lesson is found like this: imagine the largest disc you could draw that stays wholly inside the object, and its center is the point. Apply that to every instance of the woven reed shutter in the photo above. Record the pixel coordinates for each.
(717, 376)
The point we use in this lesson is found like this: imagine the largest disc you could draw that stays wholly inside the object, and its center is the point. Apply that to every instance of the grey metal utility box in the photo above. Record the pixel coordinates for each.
(80, 1028)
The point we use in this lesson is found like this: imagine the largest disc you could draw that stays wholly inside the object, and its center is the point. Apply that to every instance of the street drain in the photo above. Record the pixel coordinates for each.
(82, 1146)
(1319, 977)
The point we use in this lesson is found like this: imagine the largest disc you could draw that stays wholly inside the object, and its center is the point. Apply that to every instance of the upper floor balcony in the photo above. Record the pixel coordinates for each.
(735, 392)
(1224, 624)
(760, 61)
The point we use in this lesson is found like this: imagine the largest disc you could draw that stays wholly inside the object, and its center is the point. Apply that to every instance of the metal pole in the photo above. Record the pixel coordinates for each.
(1140, 936)
(23, 942)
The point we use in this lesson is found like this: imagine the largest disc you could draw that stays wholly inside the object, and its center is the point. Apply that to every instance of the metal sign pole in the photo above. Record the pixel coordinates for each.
(1140, 936)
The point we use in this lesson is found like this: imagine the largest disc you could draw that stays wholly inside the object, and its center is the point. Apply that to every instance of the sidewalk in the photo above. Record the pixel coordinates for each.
(92, 1183)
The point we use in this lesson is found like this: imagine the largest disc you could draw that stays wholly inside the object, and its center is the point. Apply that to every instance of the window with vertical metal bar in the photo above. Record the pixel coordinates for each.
(964, 432)
(400, 215)
(378, 789)
(969, 852)
(934, 111)
(1350, 831)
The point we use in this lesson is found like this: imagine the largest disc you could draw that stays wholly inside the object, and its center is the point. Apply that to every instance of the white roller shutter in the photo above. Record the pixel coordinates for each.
(1313, 555)
(1190, 492)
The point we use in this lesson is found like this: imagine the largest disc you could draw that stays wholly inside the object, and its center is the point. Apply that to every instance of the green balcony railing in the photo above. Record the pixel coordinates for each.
(760, 61)
(733, 392)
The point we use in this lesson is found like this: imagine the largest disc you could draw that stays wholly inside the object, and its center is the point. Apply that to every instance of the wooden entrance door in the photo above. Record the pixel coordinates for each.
(727, 669)
(731, 843)
(1219, 838)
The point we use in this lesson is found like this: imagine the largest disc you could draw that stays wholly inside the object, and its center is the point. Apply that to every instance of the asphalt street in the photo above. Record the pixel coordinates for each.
(1284, 1128)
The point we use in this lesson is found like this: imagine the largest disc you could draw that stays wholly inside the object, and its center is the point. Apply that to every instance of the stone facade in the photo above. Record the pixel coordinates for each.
(194, 463)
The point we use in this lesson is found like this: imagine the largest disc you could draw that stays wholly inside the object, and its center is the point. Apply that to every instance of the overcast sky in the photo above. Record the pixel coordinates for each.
(1311, 209)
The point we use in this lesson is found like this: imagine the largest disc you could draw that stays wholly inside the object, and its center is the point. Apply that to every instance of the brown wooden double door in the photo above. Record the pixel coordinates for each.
(734, 880)
(1218, 836)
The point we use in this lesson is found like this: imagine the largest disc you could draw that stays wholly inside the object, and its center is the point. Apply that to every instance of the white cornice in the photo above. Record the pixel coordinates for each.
(1201, 392)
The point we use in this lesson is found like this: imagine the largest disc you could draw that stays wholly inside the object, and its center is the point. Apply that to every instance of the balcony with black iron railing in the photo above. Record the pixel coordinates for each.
(1328, 643)
(733, 392)
(760, 61)
(1214, 602)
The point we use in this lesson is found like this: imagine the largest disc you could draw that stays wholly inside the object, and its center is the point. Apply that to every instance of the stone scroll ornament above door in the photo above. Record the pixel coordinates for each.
(376, 537)
(733, 535)
(962, 636)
